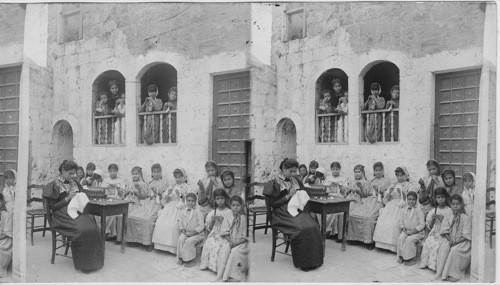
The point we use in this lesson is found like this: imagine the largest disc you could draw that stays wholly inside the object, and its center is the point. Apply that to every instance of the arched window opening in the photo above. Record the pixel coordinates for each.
(332, 106)
(380, 109)
(158, 110)
(108, 103)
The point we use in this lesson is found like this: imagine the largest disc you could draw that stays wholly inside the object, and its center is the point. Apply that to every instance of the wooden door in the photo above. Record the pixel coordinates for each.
(457, 105)
(231, 126)
(9, 119)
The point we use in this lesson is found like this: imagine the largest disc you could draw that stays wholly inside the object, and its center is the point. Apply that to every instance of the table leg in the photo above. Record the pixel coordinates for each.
(323, 228)
(344, 236)
(124, 228)
(103, 230)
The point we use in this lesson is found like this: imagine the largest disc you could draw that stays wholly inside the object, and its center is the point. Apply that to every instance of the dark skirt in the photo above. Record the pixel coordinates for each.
(306, 242)
(86, 244)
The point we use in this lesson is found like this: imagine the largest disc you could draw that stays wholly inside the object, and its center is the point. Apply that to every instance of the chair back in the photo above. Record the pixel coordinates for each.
(48, 210)
(250, 196)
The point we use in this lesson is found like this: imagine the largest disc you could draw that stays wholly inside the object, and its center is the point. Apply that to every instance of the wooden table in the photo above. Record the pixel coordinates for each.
(331, 205)
(106, 208)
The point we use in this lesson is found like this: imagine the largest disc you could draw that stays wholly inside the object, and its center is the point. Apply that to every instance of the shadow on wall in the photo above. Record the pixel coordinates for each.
(61, 146)
(285, 145)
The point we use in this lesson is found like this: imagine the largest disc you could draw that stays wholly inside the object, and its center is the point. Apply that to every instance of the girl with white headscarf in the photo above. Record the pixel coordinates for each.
(151, 125)
(469, 182)
(387, 230)
(166, 234)
(373, 125)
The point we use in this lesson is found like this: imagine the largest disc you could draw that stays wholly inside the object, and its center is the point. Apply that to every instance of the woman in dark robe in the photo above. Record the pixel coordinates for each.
(306, 242)
(86, 246)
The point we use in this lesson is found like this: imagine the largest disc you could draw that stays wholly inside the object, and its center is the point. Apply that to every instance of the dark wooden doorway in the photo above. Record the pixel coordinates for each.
(231, 126)
(457, 105)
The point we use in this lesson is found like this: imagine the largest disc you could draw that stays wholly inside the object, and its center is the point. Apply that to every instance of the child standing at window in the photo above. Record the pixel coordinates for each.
(113, 94)
(102, 109)
(227, 178)
(454, 255)
(343, 125)
(5, 237)
(325, 123)
(428, 185)
(119, 111)
(237, 250)
(450, 183)
(217, 223)
(207, 186)
(412, 224)
(373, 124)
(469, 179)
(9, 190)
(438, 221)
(392, 104)
(387, 230)
(166, 235)
(144, 212)
(115, 187)
(151, 125)
(170, 127)
(191, 225)
(89, 176)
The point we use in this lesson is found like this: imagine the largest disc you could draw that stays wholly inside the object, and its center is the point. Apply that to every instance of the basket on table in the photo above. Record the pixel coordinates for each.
(316, 191)
(95, 192)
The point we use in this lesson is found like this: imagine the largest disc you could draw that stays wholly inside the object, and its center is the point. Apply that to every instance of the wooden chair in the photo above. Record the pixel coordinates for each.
(253, 212)
(32, 215)
(490, 227)
(276, 234)
(56, 236)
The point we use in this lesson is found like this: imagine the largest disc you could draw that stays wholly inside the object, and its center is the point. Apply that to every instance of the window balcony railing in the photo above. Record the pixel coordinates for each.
(109, 130)
(380, 125)
(332, 128)
(158, 127)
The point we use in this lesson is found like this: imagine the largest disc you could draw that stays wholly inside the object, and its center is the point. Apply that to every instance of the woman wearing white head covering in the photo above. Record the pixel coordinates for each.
(151, 125)
(387, 230)
(166, 234)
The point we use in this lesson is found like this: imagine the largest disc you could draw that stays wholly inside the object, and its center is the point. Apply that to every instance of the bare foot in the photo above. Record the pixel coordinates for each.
(400, 260)
(451, 279)
(179, 261)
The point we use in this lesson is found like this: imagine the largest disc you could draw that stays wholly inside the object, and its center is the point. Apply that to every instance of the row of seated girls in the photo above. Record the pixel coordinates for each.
(181, 217)
(399, 216)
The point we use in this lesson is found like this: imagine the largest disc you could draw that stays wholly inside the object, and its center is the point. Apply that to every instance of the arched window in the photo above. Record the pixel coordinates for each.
(158, 105)
(380, 108)
(108, 108)
(331, 107)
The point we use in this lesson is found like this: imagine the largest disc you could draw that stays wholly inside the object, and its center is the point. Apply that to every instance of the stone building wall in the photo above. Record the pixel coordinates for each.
(199, 40)
(11, 33)
(421, 39)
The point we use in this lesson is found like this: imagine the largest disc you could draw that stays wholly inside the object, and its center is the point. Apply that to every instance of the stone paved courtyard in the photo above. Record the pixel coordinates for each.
(356, 264)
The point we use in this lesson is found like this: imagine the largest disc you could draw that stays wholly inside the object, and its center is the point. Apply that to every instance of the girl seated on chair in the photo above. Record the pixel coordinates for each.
(306, 241)
(86, 245)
